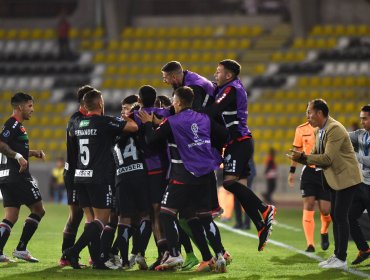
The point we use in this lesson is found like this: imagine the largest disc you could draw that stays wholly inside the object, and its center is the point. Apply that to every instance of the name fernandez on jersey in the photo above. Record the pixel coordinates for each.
(86, 132)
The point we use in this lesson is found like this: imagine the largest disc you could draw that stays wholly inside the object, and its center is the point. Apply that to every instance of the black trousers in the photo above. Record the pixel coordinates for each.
(361, 201)
(340, 203)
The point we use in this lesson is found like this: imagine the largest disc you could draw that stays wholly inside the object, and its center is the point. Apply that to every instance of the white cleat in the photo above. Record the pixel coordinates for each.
(24, 255)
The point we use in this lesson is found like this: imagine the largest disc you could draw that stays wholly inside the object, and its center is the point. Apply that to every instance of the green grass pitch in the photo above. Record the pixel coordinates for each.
(279, 260)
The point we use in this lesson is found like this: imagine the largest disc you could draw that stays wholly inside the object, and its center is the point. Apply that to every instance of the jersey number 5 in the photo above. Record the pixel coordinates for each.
(84, 151)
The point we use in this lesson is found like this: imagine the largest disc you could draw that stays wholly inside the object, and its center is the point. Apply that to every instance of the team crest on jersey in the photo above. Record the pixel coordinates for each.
(194, 129)
(23, 129)
(6, 133)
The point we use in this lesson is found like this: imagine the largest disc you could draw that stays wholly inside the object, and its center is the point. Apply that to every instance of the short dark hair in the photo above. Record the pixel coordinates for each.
(82, 91)
(147, 95)
(162, 101)
(231, 65)
(131, 99)
(172, 66)
(186, 96)
(366, 108)
(20, 98)
(91, 99)
(320, 105)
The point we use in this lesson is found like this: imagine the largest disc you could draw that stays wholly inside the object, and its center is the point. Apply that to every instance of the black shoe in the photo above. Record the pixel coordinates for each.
(70, 256)
(155, 264)
(362, 255)
(263, 236)
(310, 249)
(325, 241)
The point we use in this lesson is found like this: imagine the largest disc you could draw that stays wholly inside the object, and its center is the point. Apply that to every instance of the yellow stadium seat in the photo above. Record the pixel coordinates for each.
(337, 107)
(220, 44)
(47, 133)
(149, 45)
(136, 45)
(317, 30)
(98, 32)
(111, 57)
(122, 57)
(363, 30)
(161, 44)
(73, 33)
(97, 45)
(350, 107)
(119, 83)
(150, 32)
(328, 30)
(34, 133)
(125, 45)
(24, 34)
(298, 43)
(184, 44)
(338, 81)
(2, 33)
(107, 83)
(99, 57)
(244, 43)
(207, 31)
(86, 33)
(49, 33)
(111, 70)
(194, 57)
(256, 31)
(113, 45)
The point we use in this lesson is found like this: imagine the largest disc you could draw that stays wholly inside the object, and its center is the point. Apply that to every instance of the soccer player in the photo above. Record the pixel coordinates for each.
(361, 141)
(16, 183)
(75, 211)
(231, 105)
(127, 106)
(174, 75)
(156, 163)
(312, 190)
(95, 134)
(193, 160)
(133, 198)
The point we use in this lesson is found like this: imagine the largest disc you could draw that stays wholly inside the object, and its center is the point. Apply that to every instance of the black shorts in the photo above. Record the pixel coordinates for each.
(236, 158)
(311, 184)
(95, 195)
(22, 192)
(184, 196)
(157, 185)
(72, 193)
(133, 195)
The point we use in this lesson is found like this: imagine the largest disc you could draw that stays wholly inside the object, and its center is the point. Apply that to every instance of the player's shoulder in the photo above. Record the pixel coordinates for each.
(12, 123)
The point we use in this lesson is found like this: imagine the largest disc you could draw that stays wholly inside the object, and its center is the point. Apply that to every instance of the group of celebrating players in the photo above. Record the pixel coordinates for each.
(150, 170)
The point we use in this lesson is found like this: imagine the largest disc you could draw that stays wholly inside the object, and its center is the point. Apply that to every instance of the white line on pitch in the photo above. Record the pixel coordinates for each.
(291, 248)
(277, 224)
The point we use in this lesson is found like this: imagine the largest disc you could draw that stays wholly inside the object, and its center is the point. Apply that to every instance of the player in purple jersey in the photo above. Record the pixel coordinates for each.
(174, 75)
(193, 161)
(231, 105)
